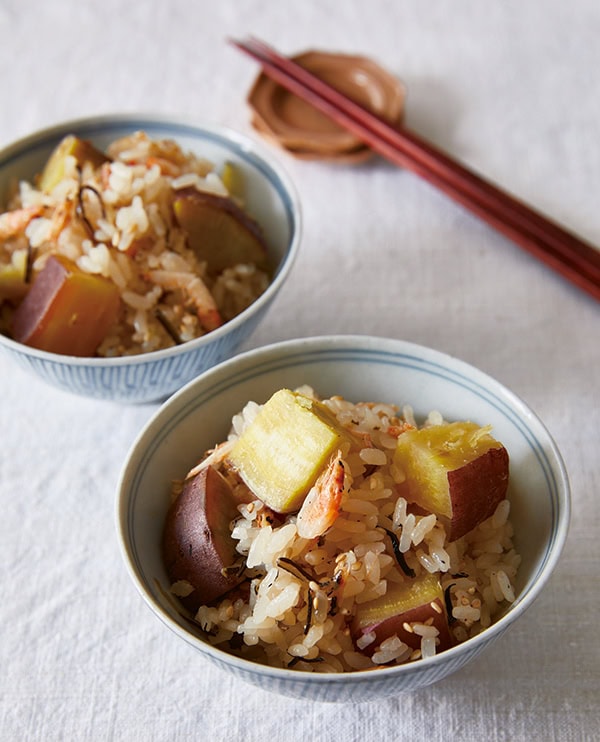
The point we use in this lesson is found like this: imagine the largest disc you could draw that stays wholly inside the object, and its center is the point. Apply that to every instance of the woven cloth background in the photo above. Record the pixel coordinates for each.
(511, 89)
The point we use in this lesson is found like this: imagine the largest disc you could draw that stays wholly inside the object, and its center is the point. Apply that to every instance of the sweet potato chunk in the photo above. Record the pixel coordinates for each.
(283, 451)
(456, 470)
(80, 149)
(417, 601)
(219, 231)
(66, 310)
(197, 544)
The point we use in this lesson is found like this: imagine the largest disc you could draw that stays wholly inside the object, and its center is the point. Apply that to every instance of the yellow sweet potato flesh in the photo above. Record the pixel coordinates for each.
(284, 449)
(233, 180)
(81, 150)
(456, 470)
(13, 277)
(414, 601)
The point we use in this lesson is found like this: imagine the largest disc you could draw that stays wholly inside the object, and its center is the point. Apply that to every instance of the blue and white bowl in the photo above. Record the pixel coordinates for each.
(359, 368)
(271, 199)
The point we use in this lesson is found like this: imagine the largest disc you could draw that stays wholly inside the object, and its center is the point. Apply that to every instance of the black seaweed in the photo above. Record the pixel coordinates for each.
(295, 660)
(448, 602)
(333, 606)
(81, 207)
(309, 611)
(168, 327)
(286, 563)
(408, 571)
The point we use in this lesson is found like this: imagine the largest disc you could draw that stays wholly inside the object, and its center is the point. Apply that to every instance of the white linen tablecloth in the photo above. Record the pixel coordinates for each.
(510, 88)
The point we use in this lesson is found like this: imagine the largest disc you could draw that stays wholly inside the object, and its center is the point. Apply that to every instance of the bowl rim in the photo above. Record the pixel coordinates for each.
(247, 147)
(254, 359)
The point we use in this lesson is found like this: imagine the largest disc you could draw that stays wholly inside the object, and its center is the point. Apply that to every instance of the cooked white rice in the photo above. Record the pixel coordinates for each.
(129, 231)
(299, 597)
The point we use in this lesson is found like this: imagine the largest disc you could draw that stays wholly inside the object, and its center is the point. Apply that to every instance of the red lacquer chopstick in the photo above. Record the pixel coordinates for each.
(566, 253)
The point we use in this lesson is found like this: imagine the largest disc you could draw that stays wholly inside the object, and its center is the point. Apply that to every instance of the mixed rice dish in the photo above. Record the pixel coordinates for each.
(361, 563)
(150, 244)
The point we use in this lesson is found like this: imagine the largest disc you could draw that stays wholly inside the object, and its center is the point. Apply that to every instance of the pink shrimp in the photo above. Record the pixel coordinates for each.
(321, 506)
(396, 430)
(166, 166)
(12, 223)
(63, 214)
(197, 291)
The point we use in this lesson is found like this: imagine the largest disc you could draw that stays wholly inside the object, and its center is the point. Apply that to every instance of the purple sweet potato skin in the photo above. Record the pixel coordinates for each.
(66, 310)
(197, 543)
(394, 625)
(476, 489)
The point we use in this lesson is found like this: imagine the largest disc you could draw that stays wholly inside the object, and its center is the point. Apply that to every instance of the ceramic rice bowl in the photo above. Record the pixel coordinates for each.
(271, 199)
(359, 368)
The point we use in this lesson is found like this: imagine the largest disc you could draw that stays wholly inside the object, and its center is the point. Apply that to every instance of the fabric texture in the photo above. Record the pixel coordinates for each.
(509, 88)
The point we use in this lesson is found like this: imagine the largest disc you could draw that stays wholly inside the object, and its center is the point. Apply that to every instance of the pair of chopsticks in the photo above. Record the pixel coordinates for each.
(574, 259)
